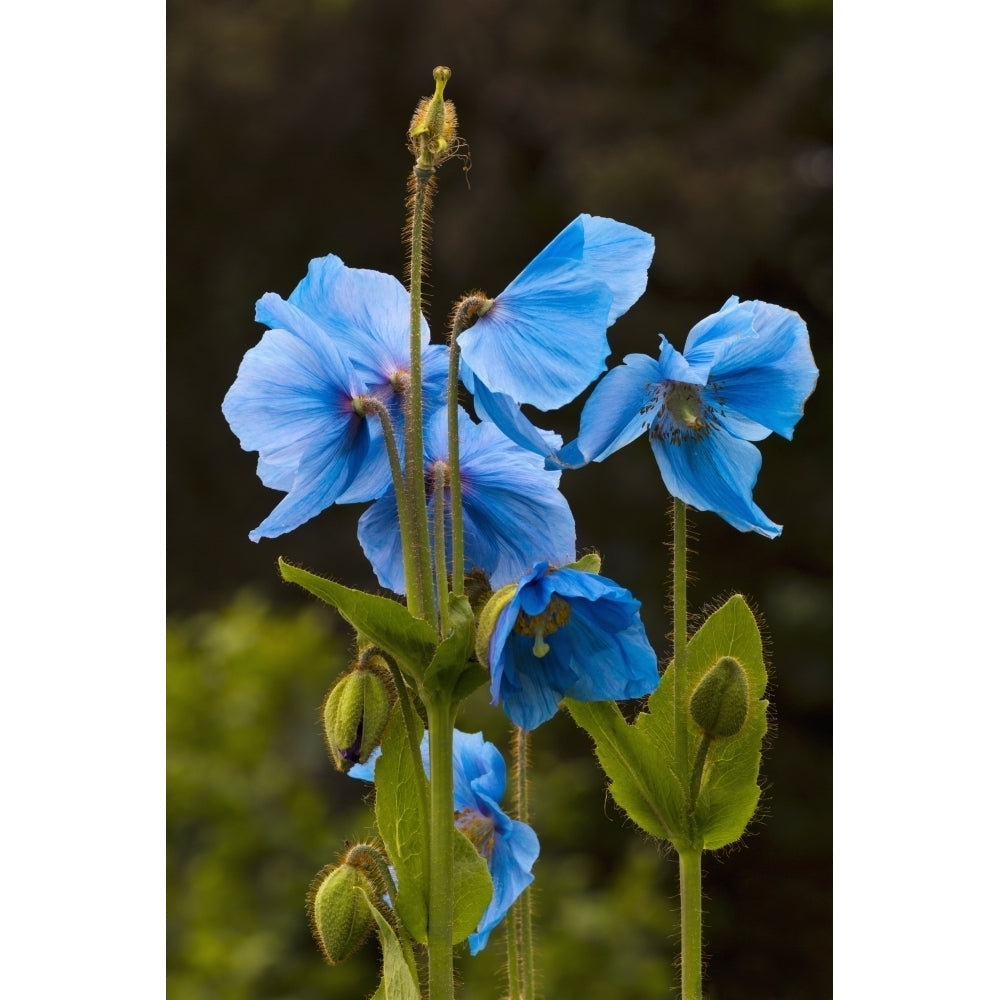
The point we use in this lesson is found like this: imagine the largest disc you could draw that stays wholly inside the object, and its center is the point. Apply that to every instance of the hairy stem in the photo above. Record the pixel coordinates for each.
(414, 459)
(690, 875)
(440, 962)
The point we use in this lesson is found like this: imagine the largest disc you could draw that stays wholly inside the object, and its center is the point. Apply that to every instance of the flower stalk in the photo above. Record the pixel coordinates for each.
(440, 958)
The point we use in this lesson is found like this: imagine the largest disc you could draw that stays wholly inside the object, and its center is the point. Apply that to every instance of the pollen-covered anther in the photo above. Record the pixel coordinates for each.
(554, 617)
(681, 412)
(479, 829)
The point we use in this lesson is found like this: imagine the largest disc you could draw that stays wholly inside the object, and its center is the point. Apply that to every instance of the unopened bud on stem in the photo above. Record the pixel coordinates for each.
(354, 717)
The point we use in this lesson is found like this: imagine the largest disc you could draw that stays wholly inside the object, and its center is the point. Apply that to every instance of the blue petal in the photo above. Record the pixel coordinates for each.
(617, 411)
(615, 253)
(291, 402)
(506, 414)
(716, 472)
(545, 338)
(363, 309)
(600, 653)
(514, 853)
(382, 544)
(765, 374)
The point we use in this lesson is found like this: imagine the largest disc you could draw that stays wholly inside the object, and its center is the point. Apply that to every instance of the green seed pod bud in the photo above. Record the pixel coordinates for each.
(721, 701)
(340, 918)
(354, 717)
(433, 135)
(488, 620)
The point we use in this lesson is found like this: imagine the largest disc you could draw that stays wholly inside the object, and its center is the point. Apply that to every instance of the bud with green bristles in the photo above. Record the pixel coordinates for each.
(338, 911)
(355, 715)
(721, 701)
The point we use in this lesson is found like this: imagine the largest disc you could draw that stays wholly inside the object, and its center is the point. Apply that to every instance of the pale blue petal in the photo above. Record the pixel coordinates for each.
(716, 472)
(620, 256)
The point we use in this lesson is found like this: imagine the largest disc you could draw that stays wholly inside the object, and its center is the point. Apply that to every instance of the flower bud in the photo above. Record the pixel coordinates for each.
(721, 701)
(433, 135)
(354, 717)
(488, 620)
(340, 918)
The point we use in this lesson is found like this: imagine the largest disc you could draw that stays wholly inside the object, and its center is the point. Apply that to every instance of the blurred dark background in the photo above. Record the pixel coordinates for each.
(708, 125)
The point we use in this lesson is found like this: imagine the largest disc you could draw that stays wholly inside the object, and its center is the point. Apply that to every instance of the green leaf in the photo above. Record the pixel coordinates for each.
(473, 887)
(398, 980)
(643, 782)
(640, 758)
(386, 623)
(401, 792)
(451, 658)
(729, 790)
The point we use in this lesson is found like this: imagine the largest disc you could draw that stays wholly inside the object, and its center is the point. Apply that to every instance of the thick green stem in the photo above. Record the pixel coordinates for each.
(440, 723)
(690, 872)
(680, 636)
(414, 458)
(513, 959)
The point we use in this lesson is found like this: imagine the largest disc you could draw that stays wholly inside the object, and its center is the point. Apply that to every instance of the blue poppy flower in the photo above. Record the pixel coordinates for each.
(746, 371)
(544, 339)
(509, 846)
(343, 335)
(565, 632)
(512, 511)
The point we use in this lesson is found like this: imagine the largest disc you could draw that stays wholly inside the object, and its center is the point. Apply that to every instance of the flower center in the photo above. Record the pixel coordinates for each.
(553, 617)
(479, 829)
(681, 412)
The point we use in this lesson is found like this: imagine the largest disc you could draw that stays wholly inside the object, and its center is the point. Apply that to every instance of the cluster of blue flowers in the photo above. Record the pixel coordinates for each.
(303, 399)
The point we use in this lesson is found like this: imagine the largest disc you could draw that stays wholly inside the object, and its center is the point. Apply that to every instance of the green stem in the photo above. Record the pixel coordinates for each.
(417, 504)
(440, 721)
(373, 405)
(680, 636)
(513, 960)
(440, 555)
(690, 872)
(698, 768)
(522, 745)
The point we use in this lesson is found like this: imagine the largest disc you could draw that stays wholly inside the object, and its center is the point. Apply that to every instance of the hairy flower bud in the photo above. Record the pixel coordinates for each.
(354, 717)
(433, 136)
(721, 701)
(338, 913)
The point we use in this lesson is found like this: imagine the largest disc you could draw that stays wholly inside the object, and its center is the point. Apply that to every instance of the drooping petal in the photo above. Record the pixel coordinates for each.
(715, 472)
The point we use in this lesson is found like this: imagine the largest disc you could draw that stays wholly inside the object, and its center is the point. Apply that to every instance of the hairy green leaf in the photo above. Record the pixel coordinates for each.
(398, 978)
(386, 623)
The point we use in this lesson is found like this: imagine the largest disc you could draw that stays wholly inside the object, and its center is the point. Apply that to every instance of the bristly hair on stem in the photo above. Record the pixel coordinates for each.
(429, 188)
